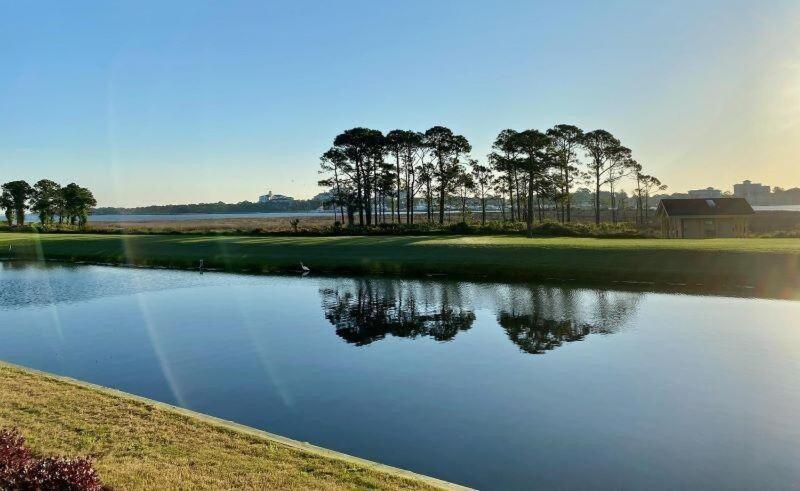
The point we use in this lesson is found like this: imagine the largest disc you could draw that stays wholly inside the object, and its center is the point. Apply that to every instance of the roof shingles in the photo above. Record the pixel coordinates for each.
(711, 206)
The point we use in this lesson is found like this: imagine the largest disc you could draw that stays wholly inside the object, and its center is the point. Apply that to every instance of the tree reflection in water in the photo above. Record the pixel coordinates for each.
(536, 318)
(366, 310)
(539, 319)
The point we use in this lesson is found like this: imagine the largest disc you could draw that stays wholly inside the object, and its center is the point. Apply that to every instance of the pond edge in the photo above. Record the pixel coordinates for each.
(247, 430)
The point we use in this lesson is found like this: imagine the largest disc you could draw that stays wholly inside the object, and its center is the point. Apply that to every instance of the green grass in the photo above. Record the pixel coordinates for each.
(136, 444)
(766, 262)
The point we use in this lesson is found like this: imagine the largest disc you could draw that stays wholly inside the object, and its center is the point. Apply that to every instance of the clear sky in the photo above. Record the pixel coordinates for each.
(153, 102)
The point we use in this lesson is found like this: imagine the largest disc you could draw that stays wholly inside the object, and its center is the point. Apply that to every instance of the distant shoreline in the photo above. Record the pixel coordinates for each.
(153, 217)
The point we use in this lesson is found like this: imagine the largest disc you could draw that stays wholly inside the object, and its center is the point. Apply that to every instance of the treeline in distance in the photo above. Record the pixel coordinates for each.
(528, 170)
(70, 204)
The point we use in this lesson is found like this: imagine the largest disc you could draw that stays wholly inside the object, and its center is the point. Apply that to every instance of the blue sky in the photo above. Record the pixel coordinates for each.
(169, 102)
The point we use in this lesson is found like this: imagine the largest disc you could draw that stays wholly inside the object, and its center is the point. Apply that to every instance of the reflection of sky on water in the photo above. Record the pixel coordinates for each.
(439, 376)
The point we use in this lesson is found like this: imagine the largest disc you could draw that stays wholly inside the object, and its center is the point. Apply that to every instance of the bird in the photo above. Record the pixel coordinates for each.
(201, 265)
(303, 267)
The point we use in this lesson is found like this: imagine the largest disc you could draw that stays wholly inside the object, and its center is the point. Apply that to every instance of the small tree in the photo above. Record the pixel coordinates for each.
(362, 147)
(44, 201)
(482, 177)
(425, 172)
(565, 140)
(504, 161)
(403, 147)
(500, 186)
(78, 202)
(622, 165)
(651, 184)
(532, 147)
(447, 148)
(603, 150)
(7, 204)
(334, 163)
(20, 192)
(465, 184)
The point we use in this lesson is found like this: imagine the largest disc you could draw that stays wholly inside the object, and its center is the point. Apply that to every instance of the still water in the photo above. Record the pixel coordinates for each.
(31, 218)
(496, 386)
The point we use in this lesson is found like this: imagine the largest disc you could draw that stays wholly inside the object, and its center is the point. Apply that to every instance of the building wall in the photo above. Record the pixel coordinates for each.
(703, 227)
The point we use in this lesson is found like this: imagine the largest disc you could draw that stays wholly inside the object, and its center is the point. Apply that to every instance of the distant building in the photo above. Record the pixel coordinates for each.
(324, 197)
(754, 192)
(269, 197)
(705, 193)
(704, 218)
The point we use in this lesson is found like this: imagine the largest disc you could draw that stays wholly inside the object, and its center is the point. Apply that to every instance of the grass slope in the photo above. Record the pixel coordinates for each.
(137, 445)
(738, 261)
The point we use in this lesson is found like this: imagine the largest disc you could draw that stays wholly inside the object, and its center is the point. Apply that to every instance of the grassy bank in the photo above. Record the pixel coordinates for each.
(759, 262)
(140, 445)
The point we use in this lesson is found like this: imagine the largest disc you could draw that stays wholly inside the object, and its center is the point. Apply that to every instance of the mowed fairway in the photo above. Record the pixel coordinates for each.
(735, 261)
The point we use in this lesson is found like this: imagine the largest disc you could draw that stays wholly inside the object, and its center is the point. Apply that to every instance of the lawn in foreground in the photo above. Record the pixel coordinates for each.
(138, 445)
(740, 261)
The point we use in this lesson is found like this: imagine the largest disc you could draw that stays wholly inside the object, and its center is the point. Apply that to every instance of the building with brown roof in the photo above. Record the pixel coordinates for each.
(704, 218)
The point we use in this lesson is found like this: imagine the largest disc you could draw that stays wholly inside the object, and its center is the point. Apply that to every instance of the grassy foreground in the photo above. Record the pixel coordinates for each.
(755, 262)
(141, 445)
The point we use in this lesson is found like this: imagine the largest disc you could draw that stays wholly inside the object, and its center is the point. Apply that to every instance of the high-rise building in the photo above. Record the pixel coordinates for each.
(754, 192)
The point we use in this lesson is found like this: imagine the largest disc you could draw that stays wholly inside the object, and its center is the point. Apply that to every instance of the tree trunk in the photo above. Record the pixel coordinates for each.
(613, 203)
(530, 205)
(511, 196)
(597, 197)
(398, 189)
(359, 194)
(441, 203)
(409, 207)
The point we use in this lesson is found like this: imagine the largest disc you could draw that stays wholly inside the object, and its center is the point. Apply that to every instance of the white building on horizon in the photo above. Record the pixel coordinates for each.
(269, 197)
(706, 193)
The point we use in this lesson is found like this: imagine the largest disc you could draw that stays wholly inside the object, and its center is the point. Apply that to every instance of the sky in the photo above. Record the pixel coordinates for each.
(153, 102)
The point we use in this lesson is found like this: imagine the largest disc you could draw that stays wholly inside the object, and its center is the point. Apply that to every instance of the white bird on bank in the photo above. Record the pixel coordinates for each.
(303, 267)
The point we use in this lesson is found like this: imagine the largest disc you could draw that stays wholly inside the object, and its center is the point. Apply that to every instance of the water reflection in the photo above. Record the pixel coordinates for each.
(689, 372)
(540, 318)
(366, 310)
(535, 318)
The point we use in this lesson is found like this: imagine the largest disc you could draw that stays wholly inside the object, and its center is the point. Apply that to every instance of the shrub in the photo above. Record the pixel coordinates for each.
(780, 234)
(19, 470)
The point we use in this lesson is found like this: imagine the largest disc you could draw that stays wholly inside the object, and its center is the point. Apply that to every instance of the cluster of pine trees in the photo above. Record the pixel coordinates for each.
(528, 170)
(50, 201)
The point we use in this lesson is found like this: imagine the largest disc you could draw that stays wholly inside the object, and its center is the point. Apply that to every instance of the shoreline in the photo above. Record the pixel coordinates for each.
(770, 267)
(728, 290)
(10, 370)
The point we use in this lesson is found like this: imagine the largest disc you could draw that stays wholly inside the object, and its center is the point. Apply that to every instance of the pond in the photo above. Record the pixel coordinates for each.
(491, 385)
